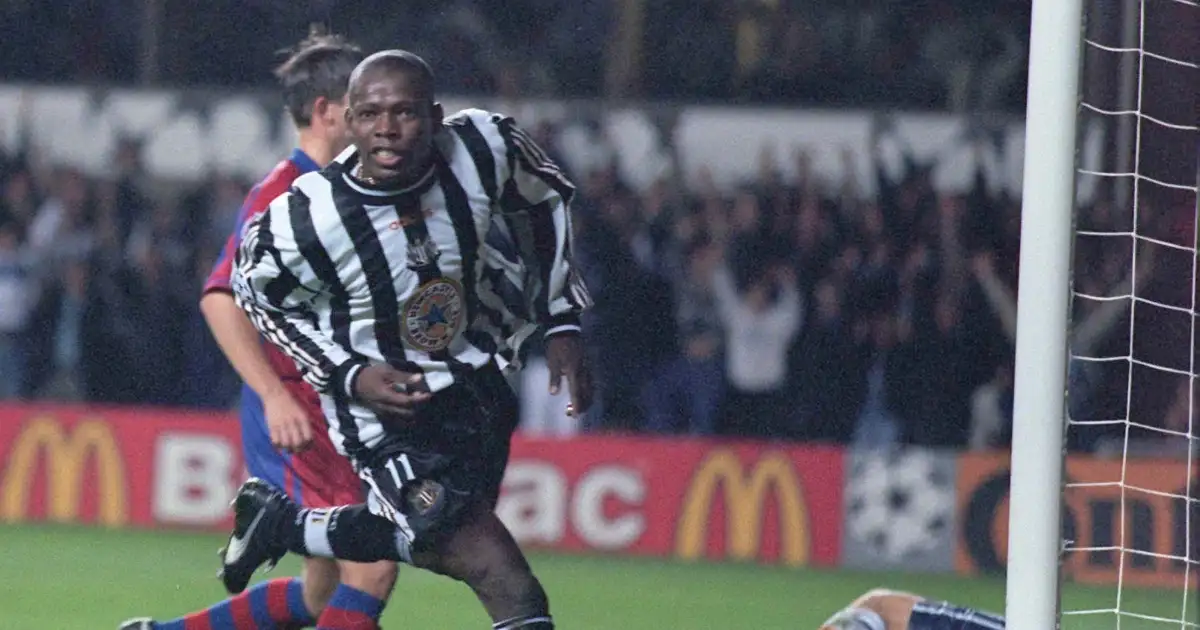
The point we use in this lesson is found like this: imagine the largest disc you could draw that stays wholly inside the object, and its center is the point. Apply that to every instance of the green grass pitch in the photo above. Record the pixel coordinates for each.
(74, 578)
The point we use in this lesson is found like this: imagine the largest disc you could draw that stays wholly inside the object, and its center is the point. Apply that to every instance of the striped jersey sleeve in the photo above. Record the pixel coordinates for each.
(534, 196)
(276, 183)
(278, 289)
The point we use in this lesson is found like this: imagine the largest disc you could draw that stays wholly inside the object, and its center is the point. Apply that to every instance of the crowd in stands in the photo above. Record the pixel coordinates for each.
(779, 309)
(938, 54)
(782, 308)
(803, 311)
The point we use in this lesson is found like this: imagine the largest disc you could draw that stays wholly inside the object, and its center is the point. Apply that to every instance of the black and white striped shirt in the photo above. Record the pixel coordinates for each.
(438, 278)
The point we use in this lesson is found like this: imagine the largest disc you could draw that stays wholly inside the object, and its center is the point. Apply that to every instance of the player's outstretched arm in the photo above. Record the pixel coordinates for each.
(276, 287)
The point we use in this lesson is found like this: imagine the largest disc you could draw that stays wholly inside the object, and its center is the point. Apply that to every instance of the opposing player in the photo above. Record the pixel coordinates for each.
(284, 432)
(376, 276)
(882, 609)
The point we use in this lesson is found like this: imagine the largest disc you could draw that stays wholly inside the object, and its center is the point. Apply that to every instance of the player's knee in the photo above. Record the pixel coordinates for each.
(375, 578)
(321, 577)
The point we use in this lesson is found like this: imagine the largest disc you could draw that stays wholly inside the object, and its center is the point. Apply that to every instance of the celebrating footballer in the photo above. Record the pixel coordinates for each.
(377, 276)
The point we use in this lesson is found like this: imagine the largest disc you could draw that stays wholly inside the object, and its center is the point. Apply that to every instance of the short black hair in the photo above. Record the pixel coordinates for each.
(400, 60)
(318, 66)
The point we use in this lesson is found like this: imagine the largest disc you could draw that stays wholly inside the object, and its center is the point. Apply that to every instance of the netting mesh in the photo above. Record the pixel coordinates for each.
(1134, 512)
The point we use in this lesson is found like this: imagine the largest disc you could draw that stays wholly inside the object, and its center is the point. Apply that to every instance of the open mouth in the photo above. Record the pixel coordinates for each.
(387, 158)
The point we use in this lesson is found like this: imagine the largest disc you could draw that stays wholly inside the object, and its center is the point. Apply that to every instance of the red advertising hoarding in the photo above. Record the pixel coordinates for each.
(117, 467)
(645, 496)
(1149, 549)
(683, 498)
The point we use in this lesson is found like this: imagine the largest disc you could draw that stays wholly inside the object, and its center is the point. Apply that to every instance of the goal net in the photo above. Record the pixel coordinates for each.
(1131, 528)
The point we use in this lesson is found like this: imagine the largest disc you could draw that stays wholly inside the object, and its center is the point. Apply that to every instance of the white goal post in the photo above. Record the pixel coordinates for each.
(1039, 405)
(1134, 504)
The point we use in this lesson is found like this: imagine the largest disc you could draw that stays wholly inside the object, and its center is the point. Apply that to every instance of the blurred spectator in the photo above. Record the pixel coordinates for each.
(207, 379)
(826, 370)
(126, 199)
(69, 333)
(18, 296)
(946, 370)
(59, 229)
(61, 239)
(19, 205)
(879, 423)
(687, 392)
(992, 412)
(1169, 440)
(631, 324)
(760, 322)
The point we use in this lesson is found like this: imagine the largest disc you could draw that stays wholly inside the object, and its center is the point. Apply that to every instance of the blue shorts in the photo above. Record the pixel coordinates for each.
(263, 460)
(316, 477)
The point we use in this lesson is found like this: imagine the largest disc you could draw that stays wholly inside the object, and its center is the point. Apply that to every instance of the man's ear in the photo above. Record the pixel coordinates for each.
(321, 110)
(438, 113)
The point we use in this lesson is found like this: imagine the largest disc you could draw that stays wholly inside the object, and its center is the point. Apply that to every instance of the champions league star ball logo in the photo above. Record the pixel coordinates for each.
(899, 504)
(434, 316)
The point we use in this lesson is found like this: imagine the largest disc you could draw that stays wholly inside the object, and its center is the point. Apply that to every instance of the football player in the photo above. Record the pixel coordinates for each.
(882, 609)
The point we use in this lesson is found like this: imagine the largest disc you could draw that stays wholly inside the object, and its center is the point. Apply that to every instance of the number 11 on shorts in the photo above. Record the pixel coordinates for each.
(408, 471)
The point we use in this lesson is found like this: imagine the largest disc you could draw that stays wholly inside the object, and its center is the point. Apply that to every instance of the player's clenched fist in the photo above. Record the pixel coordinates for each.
(385, 389)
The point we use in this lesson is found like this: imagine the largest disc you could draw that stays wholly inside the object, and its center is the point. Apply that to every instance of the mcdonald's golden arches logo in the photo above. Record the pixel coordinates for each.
(66, 455)
(745, 499)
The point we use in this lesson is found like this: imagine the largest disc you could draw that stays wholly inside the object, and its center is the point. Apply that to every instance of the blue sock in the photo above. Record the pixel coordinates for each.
(271, 604)
(351, 609)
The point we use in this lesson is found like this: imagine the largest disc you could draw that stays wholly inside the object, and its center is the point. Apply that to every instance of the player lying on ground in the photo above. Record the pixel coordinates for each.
(377, 277)
(894, 610)
(284, 434)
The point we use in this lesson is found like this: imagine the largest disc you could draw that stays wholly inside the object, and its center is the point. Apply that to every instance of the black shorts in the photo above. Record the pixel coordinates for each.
(944, 616)
(436, 468)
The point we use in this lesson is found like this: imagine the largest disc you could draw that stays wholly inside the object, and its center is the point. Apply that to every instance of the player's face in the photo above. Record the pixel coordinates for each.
(392, 122)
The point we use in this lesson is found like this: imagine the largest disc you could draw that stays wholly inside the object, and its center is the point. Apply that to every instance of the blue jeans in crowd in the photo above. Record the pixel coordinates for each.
(686, 394)
(12, 365)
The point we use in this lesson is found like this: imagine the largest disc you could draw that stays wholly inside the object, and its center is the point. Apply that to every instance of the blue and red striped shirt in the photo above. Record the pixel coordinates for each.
(276, 183)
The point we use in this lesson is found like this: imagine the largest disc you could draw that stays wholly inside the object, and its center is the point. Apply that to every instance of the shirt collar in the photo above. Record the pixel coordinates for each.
(302, 161)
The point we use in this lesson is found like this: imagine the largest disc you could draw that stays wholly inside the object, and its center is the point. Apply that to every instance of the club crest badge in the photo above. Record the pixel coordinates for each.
(434, 315)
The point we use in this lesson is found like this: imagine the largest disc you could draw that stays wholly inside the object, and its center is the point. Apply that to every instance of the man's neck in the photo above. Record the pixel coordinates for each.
(395, 183)
(315, 147)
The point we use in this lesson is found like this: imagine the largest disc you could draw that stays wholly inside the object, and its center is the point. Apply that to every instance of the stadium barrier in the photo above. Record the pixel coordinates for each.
(187, 135)
(118, 467)
(689, 499)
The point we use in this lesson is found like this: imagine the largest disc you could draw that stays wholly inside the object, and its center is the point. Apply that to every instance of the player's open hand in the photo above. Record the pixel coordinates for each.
(288, 423)
(564, 357)
(385, 389)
